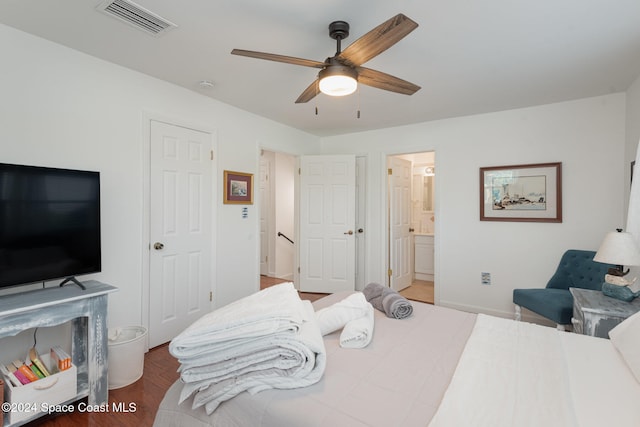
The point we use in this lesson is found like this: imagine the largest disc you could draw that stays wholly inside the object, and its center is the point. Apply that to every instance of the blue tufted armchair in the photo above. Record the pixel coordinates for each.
(577, 269)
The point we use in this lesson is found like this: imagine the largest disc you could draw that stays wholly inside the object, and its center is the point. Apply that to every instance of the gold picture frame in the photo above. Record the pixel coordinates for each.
(238, 188)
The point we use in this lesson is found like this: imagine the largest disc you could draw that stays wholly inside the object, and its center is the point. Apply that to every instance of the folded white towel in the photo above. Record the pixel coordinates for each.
(358, 333)
(336, 316)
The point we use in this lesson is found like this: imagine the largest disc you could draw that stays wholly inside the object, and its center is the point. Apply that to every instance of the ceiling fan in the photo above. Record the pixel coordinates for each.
(340, 74)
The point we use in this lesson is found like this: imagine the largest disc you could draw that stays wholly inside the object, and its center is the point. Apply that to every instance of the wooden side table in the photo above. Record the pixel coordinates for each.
(596, 314)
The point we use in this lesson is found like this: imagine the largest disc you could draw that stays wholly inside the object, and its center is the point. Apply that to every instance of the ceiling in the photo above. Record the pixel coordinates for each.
(468, 56)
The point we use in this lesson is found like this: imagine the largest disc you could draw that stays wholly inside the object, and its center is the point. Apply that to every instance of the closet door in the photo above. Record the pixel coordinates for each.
(179, 228)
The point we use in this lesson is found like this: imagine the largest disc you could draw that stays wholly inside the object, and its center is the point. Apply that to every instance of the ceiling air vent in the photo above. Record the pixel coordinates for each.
(137, 16)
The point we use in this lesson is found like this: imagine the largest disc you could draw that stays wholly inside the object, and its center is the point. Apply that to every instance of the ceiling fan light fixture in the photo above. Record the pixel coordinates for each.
(338, 80)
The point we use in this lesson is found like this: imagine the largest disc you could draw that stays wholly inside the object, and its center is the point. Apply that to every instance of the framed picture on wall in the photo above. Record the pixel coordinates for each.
(526, 193)
(238, 188)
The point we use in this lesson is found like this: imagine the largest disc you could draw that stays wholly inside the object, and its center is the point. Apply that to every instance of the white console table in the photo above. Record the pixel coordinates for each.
(87, 311)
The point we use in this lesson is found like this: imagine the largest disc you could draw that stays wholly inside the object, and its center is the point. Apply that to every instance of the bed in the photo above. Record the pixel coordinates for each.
(444, 367)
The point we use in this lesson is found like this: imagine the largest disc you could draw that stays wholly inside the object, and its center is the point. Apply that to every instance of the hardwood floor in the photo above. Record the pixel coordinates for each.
(420, 290)
(266, 281)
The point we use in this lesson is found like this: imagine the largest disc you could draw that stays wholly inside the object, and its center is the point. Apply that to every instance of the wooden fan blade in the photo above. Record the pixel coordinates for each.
(279, 58)
(309, 93)
(381, 80)
(378, 40)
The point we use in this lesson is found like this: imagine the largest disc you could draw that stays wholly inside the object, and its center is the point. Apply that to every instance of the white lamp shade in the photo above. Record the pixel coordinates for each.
(338, 85)
(619, 248)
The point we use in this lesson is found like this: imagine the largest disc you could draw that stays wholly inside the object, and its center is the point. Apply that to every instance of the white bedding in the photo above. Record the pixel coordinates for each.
(400, 379)
(604, 391)
(520, 374)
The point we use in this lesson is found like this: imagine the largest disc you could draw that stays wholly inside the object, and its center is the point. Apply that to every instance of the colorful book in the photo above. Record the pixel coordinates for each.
(35, 358)
(35, 370)
(25, 370)
(60, 358)
(19, 375)
(10, 376)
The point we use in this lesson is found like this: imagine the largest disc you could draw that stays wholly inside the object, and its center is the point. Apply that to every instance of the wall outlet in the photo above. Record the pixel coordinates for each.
(485, 278)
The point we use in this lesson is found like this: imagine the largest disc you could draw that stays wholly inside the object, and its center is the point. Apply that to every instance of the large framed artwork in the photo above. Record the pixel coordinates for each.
(528, 193)
(238, 188)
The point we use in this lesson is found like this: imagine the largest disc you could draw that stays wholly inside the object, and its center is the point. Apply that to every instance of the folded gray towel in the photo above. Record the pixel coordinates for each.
(388, 301)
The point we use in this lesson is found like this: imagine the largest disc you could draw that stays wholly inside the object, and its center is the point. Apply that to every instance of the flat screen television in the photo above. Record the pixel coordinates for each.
(49, 224)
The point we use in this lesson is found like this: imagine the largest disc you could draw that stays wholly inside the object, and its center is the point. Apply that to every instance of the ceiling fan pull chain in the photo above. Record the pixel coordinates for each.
(316, 97)
(358, 101)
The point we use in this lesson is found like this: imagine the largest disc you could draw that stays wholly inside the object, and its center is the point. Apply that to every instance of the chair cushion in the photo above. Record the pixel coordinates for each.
(577, 269)
(554, 304)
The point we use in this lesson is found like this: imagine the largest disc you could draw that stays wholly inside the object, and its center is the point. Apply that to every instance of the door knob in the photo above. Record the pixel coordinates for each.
(350, 232)
(157, 246)
(411, 230)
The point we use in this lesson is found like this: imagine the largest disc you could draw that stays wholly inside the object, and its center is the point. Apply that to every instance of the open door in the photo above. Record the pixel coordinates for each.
(327, 223)
(400, 245)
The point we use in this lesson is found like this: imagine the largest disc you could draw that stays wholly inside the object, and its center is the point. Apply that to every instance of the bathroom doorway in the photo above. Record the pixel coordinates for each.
(411, 224)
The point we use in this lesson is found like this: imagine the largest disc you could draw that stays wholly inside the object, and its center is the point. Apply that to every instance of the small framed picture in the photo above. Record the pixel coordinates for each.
(238, 188)
(527, 193)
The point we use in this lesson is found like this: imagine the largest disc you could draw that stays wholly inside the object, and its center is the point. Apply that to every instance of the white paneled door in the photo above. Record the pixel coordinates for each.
(327, 223)
(400, 247)
(180, 229)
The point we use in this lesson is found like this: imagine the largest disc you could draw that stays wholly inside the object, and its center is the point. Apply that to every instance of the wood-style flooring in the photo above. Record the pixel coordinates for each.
(420, 290)
(266, 281)
(143, 397)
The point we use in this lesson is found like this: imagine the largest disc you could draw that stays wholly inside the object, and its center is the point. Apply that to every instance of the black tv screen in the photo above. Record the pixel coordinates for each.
(49, 224)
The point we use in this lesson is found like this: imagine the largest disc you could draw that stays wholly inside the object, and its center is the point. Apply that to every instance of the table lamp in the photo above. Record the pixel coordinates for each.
(619, 248)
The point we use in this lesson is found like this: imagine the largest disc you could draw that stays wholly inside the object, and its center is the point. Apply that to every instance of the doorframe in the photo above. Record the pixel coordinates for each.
(364, 258)
(145, 155)
(385, 209)
(271, 210)
(296, 184)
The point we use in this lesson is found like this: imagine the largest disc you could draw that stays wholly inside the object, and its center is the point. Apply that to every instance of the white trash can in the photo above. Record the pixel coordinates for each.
(126, 355)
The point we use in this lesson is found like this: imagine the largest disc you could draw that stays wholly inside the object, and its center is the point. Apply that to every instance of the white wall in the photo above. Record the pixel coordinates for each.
(632, 128)
(587, 136)
(62, 108)
(632, 140)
